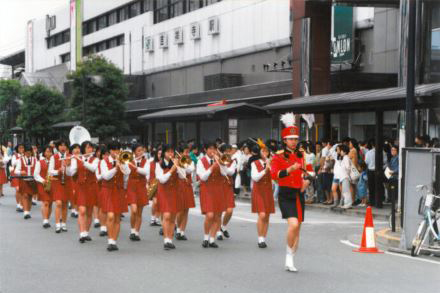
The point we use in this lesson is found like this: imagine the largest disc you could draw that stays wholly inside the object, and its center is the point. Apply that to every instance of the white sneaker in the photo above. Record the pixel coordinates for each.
(290, 266)
(346, 207)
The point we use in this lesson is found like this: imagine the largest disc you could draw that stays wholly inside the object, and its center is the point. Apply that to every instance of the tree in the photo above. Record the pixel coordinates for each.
(42, 107)
(10, 94)
(103, 102)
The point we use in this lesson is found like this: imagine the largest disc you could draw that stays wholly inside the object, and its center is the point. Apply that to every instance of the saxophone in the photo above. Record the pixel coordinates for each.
(47, 184)
(152, 189)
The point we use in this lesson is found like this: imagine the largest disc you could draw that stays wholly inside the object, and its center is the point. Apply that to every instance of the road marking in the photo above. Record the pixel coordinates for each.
(348, 243)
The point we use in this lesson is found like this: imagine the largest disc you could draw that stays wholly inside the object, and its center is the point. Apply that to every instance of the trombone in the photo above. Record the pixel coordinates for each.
(184, 161)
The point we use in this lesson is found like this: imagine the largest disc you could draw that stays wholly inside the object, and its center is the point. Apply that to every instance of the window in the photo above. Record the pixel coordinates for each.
(91, 27)
(102, 22)
(65, 58)
(85, 28)
(113, 18)
(66, 36)
(101, 46)
(135, 9)
(147, 5)
(123, 13)
(58, 39)
(193, 5)
(113, 43)
(177, 9)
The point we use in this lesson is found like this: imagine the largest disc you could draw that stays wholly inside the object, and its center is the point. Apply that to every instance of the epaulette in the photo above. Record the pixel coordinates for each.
(279, 152)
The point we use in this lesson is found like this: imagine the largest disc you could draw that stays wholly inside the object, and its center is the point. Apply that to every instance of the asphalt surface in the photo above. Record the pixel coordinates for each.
(36, 260)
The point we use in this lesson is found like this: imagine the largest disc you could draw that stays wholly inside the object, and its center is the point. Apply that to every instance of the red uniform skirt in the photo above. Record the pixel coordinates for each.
(99, 195)
(212, 199)
(186, 194)
(229, 193)
(58, 191)
(86, 194)
(27, 187)
(15, 182)
(71, 189)
(114, 200)
(168, 200)
(3, 178)
(42, 194)
(262, 198)
(137, 192)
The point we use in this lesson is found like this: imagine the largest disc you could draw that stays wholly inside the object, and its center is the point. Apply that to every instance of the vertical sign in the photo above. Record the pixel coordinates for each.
(75, 33)
(29, 46)
(342, 34)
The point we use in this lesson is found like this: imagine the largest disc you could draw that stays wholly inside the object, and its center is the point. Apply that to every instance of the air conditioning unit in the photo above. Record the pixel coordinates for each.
(149, 44)
(195, 31)
(178, 36)
(163, 40)
(213, 26)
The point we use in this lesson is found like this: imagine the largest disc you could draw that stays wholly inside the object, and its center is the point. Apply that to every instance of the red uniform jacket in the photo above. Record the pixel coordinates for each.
(279, 165)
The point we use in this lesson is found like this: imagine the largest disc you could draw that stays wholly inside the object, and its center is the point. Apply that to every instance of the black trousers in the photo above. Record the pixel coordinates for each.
(371, 187)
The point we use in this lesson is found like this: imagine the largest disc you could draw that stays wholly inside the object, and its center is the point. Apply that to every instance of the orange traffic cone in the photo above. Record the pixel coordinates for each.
(368, 244)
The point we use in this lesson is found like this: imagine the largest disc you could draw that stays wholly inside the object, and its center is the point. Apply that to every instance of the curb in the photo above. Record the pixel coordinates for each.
(383, 237)
(349, 212)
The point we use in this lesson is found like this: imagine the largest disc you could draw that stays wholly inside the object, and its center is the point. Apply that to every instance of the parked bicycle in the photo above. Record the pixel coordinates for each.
(429, 208)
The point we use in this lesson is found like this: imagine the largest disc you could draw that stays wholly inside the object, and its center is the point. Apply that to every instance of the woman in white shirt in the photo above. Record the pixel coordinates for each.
(336, 176)
(344, 176)
(4, 159)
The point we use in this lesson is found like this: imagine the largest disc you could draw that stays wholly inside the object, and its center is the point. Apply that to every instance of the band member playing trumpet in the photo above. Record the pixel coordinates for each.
(19, 151)
(137, 189)
(113, 176)
(185, 170)
(57, 169)
(25, 167)
(168, 201)
(286, 168)
(155, 214)
(43, 185)
(262, 197)
(227, 168)
(212, 199)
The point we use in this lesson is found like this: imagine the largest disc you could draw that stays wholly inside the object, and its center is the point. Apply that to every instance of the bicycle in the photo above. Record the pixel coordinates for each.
(429, 209)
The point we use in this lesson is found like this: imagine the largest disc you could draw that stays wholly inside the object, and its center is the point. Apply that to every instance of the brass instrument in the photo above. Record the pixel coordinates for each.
(48, 183)
(152, 189)
(184, 161)
(224, 159)
(125, 157)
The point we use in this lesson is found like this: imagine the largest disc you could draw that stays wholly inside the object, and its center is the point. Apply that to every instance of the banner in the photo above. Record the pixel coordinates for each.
(76, 10)
(342, 34)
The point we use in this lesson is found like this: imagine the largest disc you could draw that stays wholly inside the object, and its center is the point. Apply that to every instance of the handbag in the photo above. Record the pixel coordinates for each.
(354, 173)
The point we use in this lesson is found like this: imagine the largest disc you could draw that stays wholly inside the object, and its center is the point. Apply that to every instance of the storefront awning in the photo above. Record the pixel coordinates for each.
(378, 99)
(206, 112)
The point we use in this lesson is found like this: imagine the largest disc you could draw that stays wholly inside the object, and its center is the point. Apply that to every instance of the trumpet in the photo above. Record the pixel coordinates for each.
(184, 161)
(125, 157)
(224, 159)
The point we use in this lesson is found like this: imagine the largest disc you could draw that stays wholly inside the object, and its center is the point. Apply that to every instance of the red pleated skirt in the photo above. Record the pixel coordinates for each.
(186, 194)
(137, 192)
(27, 187)
(229, 193)
(167, 199)
(70, 189)
(212, 199)
(99, 196)
(59, 191)
(86, 194)
(3, 178)
(42, 194)
(262, 198)
(114, 200)
(15, 182)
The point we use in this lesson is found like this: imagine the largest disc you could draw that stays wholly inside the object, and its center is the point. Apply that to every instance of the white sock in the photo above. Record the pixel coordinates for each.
(136, 233)
(167, 240)
(63, 225)
(96, 221)
(206, 237)
(153, 219)
(83, 234)
(111, 241)
(219, 233)
(211, 239)
(73, 211)
(58, 225)
(182, 233)
(178, 231)
(27, 213)
(289, 250)
(103, 228)
(132, 231)
(260, 239)
(223, 228)
(45, 221)
(18, 205)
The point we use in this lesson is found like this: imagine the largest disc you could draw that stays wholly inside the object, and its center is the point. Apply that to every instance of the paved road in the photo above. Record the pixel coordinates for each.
(35, 260)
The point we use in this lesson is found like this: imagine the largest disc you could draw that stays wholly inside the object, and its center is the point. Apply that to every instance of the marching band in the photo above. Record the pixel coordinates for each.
(101, 183)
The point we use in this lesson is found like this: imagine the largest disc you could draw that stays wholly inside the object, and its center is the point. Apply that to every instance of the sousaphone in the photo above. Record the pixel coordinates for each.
(79, 134)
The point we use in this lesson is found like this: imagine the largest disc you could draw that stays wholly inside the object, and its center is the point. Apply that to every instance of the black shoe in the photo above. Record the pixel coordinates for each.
(154, 224)
(27, 217)
(205, 244)
(34, 203)
(161, 232)
(97, 225)
(76, 216)
(88, 238)
(225, 233)
(168, 246)
(72, 214)
(183, 237)
(58, 230)
(46, 225)
(82, 240)
(220, 237)
(64, 229)
(112, 247)
(262, 245)
(122, 216)
(137, 238)
(132, 237)
(19, 210)
(178, 236)
(103, 233)
(213, 245)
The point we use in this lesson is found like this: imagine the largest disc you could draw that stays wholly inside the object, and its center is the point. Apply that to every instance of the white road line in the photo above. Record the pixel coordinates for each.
(348, 243)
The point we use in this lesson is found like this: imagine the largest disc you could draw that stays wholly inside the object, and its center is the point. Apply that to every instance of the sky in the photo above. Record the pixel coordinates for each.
(14, 15)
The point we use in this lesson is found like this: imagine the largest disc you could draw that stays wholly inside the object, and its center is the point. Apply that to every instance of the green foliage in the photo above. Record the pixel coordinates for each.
(103, 103)
(10, 93)
(42, 107)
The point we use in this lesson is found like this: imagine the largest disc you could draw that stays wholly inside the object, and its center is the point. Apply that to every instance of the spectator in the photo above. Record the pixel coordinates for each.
(336, 176)
(316, 167)
(362, 190)
(194, 153)
(355, 158)
(393, 165)
(245, 179)
(370, 160)
(326, 169)
(344, 176)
